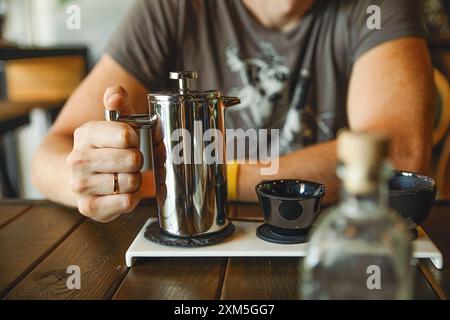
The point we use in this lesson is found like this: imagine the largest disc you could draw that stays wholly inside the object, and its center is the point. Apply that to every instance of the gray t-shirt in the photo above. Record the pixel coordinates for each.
(234, 53)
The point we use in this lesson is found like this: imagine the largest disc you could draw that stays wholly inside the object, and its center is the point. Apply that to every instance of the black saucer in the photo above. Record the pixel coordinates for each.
(268, 233)
(154, 234)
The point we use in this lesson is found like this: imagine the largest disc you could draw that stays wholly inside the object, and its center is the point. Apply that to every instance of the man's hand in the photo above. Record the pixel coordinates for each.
(101, 149)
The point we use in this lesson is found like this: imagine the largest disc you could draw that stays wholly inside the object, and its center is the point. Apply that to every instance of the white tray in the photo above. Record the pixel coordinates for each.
(245, 243)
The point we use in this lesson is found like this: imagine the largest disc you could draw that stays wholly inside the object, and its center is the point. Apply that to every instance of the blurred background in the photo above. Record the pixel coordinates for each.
(44, 54)
(48, 46)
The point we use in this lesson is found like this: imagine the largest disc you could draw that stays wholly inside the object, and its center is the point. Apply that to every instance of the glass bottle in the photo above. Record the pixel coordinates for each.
(360, 249)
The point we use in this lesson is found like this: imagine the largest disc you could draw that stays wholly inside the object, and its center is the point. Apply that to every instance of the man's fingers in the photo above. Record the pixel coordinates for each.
(105, 161)
(103, 183)
(108, 208)
(104, 134)
(116, 98)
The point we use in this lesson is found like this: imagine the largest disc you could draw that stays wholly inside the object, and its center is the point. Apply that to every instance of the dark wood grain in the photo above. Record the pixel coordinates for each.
(28, 239)
(422, 288)
(277, 278)
(8, 213)
(261, 278)
(174, 278)
(98, 249)
(245, 211)
(42, 242)
(437, 227)
(439, 280)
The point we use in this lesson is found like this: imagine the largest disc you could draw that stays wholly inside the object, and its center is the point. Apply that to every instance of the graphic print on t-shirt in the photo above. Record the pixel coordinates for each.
(265, 97)
(263, 83)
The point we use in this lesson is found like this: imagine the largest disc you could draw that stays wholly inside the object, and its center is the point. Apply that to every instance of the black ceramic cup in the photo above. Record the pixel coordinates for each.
(290, 206)
(412, 195)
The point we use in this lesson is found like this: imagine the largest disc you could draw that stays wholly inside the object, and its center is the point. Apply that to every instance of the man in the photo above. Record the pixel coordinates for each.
(361, 76)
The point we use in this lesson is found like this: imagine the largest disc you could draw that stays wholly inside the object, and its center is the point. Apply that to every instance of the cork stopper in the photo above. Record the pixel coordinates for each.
(363, 154)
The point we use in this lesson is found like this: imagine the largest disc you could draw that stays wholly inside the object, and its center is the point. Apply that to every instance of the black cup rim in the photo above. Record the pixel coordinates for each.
(430, 187)
(317, 185)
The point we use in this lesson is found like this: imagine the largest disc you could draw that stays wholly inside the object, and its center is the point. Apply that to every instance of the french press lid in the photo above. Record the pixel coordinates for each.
(184, 94)
(184, 91)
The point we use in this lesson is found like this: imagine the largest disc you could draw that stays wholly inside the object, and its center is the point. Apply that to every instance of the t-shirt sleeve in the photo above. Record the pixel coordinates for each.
(144, 43)
(399, 18)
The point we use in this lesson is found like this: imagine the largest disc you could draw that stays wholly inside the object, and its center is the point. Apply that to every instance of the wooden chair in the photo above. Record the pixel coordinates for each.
(32, 78)
(443, 170)
(45, 79)
(441, 136)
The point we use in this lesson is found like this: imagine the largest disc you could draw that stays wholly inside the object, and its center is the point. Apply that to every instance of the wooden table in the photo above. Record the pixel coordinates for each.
(39, 240)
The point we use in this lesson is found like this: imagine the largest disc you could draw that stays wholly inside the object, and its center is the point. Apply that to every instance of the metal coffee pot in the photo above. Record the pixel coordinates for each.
(191, 190)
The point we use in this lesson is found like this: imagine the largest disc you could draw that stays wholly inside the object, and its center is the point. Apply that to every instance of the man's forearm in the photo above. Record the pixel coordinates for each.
(50, 173)
(316, 163)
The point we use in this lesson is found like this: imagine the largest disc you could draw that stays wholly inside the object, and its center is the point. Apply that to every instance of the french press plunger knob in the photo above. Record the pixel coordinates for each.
(183, 78)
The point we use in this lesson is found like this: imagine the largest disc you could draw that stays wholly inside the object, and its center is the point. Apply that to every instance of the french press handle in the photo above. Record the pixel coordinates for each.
(138, 121)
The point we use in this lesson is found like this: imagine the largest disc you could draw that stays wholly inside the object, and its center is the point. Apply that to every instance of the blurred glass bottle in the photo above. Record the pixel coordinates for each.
(360, 249)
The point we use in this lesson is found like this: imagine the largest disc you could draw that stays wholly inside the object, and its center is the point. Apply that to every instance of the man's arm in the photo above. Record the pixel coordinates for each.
(391, 90)
(51, 173)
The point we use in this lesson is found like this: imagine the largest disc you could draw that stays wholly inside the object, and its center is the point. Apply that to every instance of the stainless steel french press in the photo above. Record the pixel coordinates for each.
(191, 193)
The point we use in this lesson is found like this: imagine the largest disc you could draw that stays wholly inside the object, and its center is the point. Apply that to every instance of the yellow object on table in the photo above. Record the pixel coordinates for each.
(233, 177)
